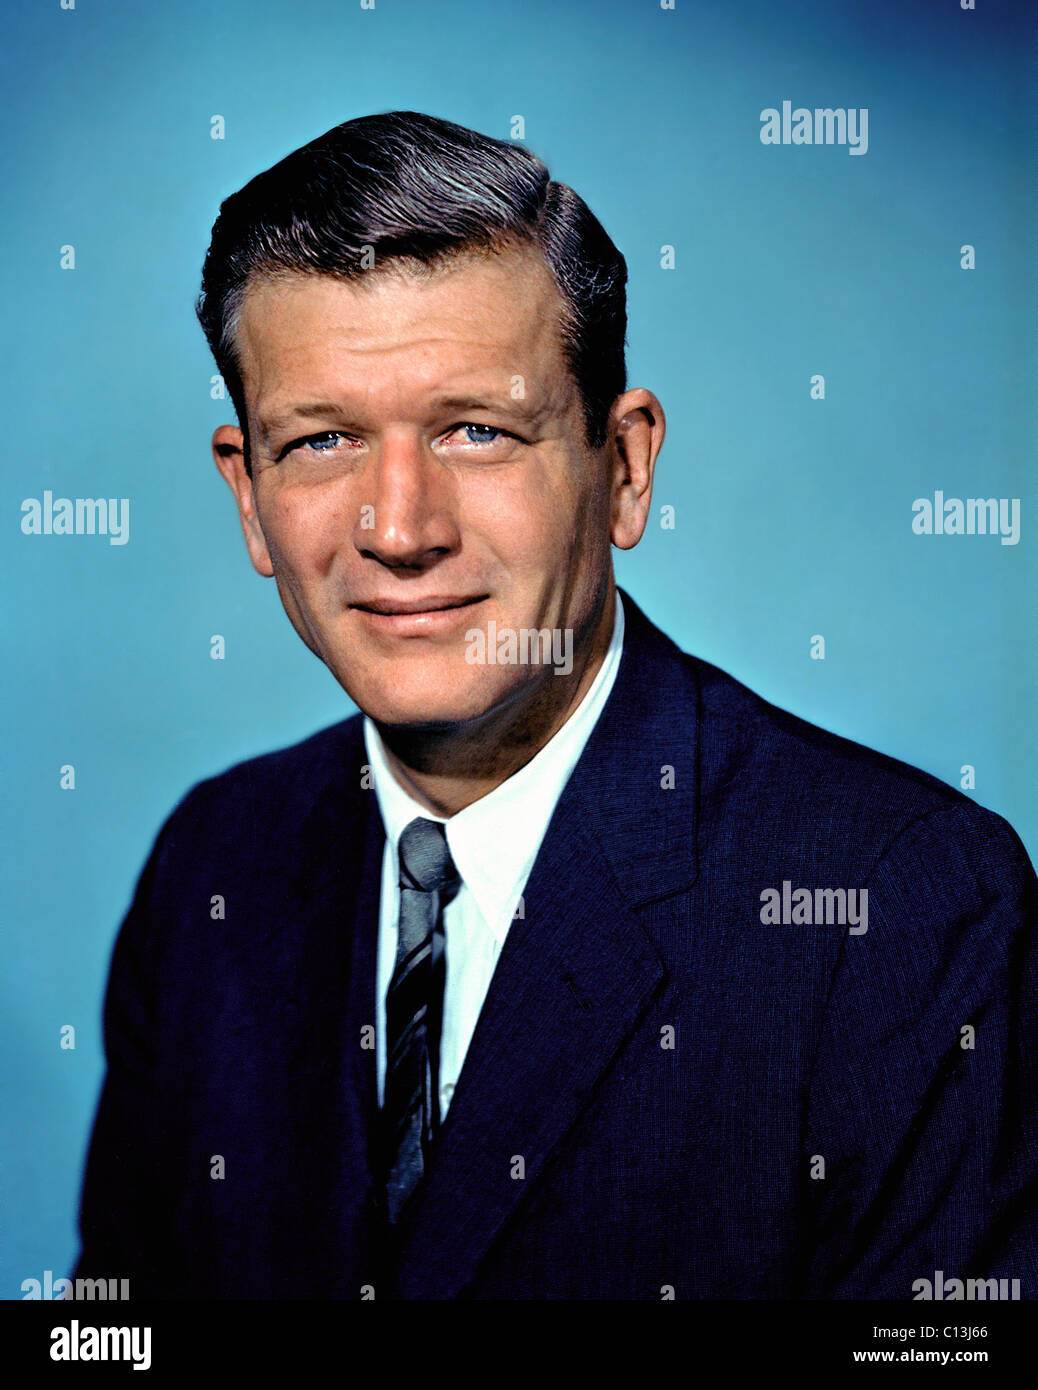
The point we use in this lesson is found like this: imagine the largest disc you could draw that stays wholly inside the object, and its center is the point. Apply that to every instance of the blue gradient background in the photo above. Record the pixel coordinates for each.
(793, 516)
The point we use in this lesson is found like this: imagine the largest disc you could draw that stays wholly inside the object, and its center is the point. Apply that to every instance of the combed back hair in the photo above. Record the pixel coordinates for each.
(409, 189)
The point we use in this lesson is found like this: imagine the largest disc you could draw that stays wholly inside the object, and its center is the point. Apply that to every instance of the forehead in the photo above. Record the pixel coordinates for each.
(496, 314)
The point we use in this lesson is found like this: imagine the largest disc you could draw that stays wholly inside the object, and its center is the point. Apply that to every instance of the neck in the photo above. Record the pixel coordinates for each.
(447, 769)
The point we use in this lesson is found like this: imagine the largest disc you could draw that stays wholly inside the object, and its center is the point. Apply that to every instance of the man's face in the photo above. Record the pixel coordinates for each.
(420, 469)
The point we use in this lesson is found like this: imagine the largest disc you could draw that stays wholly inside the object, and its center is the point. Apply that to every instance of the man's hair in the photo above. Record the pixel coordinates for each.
(402, 188)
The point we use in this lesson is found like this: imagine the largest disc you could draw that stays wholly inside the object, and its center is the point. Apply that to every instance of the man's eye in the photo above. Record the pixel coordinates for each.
(480, 434)
(319, 443)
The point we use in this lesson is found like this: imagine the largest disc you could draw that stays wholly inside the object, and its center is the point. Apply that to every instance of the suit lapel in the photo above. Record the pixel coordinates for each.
(319, 967)
(575, 975)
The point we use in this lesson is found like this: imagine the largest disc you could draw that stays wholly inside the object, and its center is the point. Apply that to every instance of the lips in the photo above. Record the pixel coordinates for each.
(436, 603)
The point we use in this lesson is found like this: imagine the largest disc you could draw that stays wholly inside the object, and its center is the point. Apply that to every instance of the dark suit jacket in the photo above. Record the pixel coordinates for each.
(694, 1166)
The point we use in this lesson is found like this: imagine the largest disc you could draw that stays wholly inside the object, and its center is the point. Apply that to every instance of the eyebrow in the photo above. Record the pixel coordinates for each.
(310, 410)
(281, 420)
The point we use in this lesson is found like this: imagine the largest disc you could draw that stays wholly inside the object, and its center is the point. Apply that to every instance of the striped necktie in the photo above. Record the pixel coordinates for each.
(414, 1009)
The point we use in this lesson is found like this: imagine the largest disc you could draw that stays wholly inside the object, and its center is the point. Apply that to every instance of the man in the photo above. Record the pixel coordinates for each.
(569, 968)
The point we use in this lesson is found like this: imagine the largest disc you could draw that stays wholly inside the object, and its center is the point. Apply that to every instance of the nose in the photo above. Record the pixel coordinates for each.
(408, 520)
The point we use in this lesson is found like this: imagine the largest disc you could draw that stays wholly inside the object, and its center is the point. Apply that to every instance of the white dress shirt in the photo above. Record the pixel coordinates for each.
(493, 843)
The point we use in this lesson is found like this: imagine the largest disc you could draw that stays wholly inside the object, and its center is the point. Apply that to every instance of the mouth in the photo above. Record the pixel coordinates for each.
(417, 617)
(392, 607)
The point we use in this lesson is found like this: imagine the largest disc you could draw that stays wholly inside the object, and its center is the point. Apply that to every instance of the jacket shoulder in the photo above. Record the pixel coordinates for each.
(255, 798)
(807, 781)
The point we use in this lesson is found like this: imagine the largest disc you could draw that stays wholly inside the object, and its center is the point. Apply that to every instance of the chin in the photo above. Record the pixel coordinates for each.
(416, 703)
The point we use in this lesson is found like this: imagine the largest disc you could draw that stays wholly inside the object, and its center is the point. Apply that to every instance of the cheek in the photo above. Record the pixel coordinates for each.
(304, 535)
(536, 519)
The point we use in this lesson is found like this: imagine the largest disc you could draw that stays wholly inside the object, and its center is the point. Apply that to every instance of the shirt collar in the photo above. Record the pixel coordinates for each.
(495, 841)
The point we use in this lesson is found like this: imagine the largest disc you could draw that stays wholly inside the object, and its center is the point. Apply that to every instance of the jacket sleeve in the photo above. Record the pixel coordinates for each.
(923, 1101)
(127, 1218)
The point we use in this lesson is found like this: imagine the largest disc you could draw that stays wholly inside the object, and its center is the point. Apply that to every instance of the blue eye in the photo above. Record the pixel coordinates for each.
(482, 438)
(315, 441)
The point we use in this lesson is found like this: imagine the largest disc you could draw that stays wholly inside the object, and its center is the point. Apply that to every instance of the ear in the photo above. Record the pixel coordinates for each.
(636, 429)
(229, 456)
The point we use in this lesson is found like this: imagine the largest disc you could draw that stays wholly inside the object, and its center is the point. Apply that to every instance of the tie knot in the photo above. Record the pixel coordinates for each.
(425, 860)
